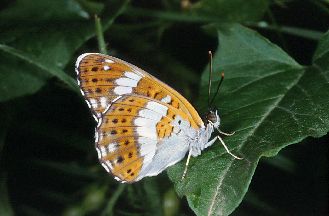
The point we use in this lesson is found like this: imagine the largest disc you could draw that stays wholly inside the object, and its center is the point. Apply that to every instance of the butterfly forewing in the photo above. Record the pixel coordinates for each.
(103, 78)
(98, 78)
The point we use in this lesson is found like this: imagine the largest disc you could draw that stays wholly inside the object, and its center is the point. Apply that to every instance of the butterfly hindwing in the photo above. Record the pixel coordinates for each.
(131, 133)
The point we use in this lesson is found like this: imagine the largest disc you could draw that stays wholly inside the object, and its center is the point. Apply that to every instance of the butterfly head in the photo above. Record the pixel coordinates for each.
(212, 117)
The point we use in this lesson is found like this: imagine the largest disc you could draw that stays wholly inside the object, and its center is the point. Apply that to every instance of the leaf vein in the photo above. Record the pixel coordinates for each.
(267, 113)
(256, 80)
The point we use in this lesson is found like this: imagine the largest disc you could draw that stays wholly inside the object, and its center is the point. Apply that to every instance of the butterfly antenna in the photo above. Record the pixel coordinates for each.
(210, 77)
(217, 90)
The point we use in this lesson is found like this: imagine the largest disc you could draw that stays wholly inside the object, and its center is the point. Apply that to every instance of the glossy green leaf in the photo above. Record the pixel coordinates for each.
(269, 100)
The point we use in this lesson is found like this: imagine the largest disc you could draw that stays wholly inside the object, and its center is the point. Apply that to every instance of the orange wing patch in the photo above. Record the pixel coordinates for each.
(149, 88)
(164, 126)
(118, 139)
(127, 120)
(162, 92)
(125, 162)
(97, 75)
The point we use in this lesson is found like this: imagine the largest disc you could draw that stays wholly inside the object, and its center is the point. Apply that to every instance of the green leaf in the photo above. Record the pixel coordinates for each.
(24, 74)
(41, 10)
(232, 10)
(218, 11)
(152, 197)
(68, 168)
(113, 200)
(322, 52)
(48, 42)
(300, 32)
(49, 30)
(269, 100)
(170, 203)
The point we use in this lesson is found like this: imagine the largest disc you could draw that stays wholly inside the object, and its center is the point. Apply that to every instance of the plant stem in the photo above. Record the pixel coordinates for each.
(100, 36)
(115, 196)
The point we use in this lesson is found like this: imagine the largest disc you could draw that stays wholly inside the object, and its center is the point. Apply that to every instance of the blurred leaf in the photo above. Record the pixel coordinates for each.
(269, 100)
(91, 7)
(31, 211)
(4, 119)
(218, 11)
(170, 203)
(51, 36)
(56, 196)
(94, 198)
(322, 5)
(300, 32)
(74, 211)
(255, 201)
(168, 15)
(232, 10)
(68, 169)
(41, 10)
(152, 199)
(57, 42)
(113, 200)
(321, 54)
(19, 79)
(13, 73)
(5, 206)
(70, 138)
(282, 162)
(48, 41)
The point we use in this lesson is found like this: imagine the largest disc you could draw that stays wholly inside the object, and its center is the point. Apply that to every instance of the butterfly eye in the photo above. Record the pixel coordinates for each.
(211, 116)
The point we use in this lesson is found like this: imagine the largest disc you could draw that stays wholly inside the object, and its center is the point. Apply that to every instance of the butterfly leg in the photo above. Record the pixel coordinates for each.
(187, 162)
(226, 134)
(210, 143)
(227, 150)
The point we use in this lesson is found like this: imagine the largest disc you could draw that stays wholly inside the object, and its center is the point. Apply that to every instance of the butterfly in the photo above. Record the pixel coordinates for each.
(143, 125)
